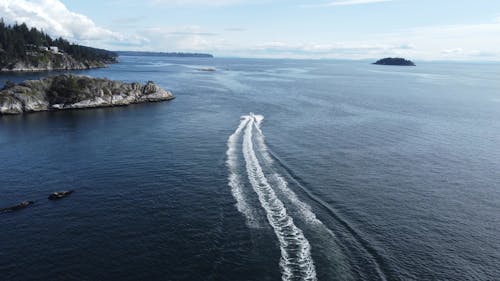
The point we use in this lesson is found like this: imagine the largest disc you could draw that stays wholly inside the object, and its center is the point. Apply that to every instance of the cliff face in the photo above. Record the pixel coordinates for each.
(44, 61)
(71, 91)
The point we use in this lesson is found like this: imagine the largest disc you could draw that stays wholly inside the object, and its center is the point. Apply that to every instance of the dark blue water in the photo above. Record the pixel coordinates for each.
(356, 172)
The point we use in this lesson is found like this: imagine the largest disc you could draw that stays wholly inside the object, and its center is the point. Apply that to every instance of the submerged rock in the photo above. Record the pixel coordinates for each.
(17, 207)
(72, 92)
(59, 194)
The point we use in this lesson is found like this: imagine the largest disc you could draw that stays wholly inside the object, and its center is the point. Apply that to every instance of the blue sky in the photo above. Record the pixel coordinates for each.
(354, 29)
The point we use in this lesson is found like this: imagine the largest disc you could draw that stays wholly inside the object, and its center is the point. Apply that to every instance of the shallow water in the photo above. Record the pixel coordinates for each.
(355, 172)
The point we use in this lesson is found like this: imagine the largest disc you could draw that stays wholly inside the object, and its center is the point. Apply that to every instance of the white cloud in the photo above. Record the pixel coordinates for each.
(54, 18)
(319, 48)
(234, 2)
(340, 50)
(448, 42)
(454, 42)
(458, 42)
(200, 2)
(346, 3)
(354, 2)
(179, 38)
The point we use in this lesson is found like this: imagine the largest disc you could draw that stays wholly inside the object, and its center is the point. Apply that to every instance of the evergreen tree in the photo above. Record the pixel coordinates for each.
(16, 40)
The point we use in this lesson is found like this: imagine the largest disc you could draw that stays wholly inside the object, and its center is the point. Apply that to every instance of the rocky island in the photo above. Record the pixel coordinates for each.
(25, 49)
(74, 92)
(395, 61)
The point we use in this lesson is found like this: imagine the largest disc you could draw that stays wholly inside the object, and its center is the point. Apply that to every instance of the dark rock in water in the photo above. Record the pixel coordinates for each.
(395, 61)
(72, 91)
(17, 207)
(207, 69)
(60, 194)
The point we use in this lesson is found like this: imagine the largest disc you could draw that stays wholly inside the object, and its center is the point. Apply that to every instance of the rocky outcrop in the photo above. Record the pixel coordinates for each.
(17, 207)
(47, 61)
(395, 61)
(60, 194)
(72, 92)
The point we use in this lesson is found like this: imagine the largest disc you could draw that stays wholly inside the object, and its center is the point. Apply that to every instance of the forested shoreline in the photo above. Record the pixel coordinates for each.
(24, 48)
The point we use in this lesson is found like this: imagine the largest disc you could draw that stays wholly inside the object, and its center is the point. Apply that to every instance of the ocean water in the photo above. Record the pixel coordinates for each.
(261, 170)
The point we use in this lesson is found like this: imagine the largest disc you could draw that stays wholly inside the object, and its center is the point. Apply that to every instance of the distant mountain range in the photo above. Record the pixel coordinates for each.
(165, 54)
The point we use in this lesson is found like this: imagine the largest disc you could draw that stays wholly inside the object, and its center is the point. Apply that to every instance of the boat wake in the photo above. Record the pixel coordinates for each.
(234, 179)
(280, 182)
(260, 175)
(296, 262)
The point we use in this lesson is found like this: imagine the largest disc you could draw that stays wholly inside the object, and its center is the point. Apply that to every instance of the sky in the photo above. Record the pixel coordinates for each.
(341, 29)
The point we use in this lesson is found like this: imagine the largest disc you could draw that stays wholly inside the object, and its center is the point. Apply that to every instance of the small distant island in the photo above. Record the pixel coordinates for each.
(24, 49)
(165, 54)
(75, 92)
(207, 69)
(395, 61)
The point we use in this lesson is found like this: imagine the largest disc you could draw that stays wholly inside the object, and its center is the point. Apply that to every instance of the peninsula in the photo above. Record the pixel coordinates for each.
(24, 49)
(74, 92)
(395, 61)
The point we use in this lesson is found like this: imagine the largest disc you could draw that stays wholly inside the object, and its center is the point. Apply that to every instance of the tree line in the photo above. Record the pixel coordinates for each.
(18, 41)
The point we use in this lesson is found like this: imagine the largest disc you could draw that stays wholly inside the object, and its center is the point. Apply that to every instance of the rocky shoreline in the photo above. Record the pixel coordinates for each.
(20, 67)
(75, 92)
(52, 62)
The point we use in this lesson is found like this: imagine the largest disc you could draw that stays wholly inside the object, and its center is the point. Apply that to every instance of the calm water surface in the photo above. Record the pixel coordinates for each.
(346, 171)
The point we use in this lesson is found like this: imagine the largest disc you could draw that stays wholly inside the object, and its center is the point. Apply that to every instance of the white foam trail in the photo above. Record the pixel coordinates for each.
(260, 138)
(296, 262)
(258, 120)
(234, 179)
(304, 208)
(281, 183)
